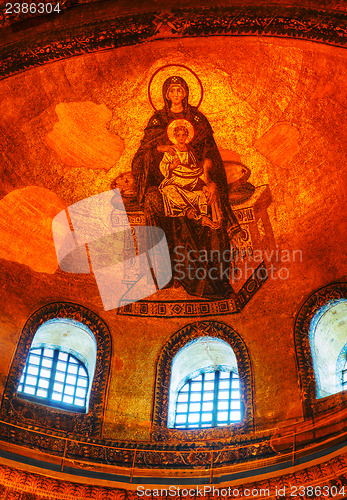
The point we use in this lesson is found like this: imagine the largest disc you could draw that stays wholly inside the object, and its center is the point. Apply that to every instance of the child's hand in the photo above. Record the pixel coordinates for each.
(174, 163)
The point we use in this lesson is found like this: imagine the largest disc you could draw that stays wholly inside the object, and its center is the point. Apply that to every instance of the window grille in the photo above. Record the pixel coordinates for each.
(344, 377)
(211, 399)
(55, 378)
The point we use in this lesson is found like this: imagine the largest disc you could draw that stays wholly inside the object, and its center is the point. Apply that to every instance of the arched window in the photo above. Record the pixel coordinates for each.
(60, 365)
(204, 386)
(328, 341)
(321, 348)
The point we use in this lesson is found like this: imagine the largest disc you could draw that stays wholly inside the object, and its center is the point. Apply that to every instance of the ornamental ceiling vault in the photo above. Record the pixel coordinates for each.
(87, 96)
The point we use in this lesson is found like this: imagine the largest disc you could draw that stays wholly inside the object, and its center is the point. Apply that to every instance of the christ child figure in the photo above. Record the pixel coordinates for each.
(183, 188)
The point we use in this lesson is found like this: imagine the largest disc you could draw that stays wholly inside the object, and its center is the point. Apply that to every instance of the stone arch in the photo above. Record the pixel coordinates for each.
(212, 329)
(15, 409)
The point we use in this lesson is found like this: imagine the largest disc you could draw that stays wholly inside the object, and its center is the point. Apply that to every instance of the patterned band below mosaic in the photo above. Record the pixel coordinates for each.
(199, 308)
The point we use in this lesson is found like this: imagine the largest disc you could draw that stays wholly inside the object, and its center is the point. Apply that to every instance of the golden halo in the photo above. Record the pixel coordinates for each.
(180, 123)
(155, 86)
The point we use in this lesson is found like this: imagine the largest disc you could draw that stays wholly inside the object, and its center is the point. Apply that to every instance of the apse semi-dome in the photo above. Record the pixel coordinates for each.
(172, 241)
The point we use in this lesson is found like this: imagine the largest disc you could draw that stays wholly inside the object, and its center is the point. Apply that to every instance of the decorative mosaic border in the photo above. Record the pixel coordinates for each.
(330, 477)
(329, 27)
(199, 308)
(180, 308)
(316, 301)
(156, 455)
(21, 411)
(160, 432)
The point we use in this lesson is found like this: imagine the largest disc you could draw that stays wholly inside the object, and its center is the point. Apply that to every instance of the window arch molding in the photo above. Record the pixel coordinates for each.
(308, 317)
(160, 430)
(16, 409)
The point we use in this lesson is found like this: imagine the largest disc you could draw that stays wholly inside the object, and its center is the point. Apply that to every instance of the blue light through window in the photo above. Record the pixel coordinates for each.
(55, 378)
(211, 399)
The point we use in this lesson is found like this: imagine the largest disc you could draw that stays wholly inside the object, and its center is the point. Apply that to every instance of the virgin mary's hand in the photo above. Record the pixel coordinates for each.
(211, 192)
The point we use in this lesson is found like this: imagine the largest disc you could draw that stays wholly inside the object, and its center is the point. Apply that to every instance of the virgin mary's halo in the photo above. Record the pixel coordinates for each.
(155, 85)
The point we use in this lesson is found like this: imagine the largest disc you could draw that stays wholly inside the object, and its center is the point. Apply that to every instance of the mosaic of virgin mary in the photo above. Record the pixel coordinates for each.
(182, 186)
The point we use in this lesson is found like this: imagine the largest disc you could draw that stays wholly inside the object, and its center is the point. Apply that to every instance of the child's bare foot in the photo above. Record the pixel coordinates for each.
(205, 221)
